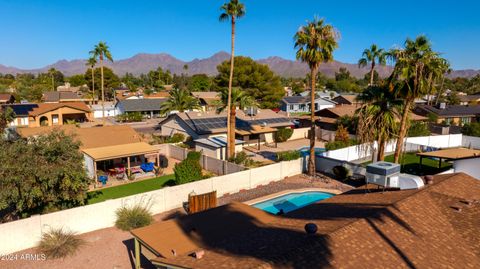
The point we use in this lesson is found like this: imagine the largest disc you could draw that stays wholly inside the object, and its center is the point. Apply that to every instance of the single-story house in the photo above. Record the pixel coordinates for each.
(346, 99)
(110, 110)
(473, 99)
(435, 226)
(326, 94)
(105, 148)
(450, 114)
(208, 100)
(215, 146)
(63, 97)
(253, 129)
(148, 107)
(6, 98)
(301, 104)
(140, 95)
(49, 114)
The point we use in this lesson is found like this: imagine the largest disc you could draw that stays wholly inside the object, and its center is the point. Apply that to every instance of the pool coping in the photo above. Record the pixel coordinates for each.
(281, 193)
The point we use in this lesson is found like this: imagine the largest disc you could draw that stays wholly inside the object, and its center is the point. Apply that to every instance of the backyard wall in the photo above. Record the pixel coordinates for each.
(471, 142)
(300, 133)
(25, 233)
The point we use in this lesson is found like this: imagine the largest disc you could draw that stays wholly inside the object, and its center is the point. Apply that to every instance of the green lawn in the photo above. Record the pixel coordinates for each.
(411, 165)
(129, 189)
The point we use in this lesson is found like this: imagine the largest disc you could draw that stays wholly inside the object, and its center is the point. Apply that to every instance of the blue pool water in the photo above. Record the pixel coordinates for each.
(305, 151)
(292, 201)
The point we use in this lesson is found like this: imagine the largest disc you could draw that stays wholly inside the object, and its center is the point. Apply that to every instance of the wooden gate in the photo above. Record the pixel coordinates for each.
(200, 202)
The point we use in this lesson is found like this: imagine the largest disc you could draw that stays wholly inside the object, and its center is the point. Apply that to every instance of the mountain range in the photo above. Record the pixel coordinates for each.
(143, 62)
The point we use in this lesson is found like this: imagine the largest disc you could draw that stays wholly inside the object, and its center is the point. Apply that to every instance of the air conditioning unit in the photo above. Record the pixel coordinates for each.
(388, 175)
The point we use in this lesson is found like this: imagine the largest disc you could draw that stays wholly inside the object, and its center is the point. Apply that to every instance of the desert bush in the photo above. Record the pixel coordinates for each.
(129, 218)
(288, 155)
(341, 172)
(282, 134)
(175, 138)
(59, 243)
(239, 158)
(130, 117)
(189, 169)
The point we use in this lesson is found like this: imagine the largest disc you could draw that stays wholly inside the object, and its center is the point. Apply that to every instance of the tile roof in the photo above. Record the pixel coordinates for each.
(60, 96)
(46, 107)
(452, 110)
(351, 98)
(358, 229)
(206, 95)
(5, 96)
(132, 105)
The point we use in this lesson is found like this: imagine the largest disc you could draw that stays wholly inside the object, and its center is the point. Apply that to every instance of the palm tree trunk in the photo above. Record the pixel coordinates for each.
(93, 86)
(53, 83)
(231, 142)
(230, 131)
(403, 130)
(103, 92)
(372, 72)
(440, 91)
(311, 160)
(381, 150)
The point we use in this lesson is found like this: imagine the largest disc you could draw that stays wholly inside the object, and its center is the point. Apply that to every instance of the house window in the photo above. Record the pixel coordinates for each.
(448, 121)
(23, 121)
(302, 107)
(466, 120)
(55, 119)
(291, 107)
(316, 106)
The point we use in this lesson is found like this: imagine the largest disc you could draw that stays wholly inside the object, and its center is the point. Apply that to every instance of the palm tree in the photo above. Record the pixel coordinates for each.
(52, 72)
(231, 11)
(315, 43)
(91, 62)
(410, 77)
(446, 70)
(180, 100)
(377, 117)
(238, 98)
(101, 51)
(372, 56)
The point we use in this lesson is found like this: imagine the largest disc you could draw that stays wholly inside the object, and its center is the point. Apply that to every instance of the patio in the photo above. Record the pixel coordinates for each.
(268, 153)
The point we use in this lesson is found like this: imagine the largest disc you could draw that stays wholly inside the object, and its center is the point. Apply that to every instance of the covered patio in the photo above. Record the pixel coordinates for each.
(450, 154)
(120, 162)
(255, 134)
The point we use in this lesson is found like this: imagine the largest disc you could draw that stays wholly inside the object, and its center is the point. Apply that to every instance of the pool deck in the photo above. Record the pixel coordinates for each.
(281, 193)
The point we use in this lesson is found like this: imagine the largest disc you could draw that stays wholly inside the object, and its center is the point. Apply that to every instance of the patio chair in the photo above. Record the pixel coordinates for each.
(147, 167)
(103, 179)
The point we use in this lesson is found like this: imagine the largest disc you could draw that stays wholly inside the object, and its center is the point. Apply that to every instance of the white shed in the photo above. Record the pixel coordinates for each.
(215, 147)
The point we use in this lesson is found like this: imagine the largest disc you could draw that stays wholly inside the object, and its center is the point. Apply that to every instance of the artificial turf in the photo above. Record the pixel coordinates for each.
(129, 189)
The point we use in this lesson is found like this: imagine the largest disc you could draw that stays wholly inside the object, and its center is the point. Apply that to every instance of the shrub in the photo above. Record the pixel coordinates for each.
(129, 218)
(341, 172)
(189, 169)
(130, 117)
(282, 134)
(342, 134)
(418, 128)
(472, 129)
(288, 155)
(239, 158)
(59, 243)
(176, 138)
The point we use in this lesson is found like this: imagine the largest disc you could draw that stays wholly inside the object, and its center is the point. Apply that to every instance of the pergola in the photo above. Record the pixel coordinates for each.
(449, 154)
(121, 151)
(254, 129)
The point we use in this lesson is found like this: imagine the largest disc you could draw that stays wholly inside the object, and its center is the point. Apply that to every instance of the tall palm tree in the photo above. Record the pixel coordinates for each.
(372, 56)
(238, 98)
(377, 117)
(91, 62)
(180, 100)
(410, 77)
(315, 43)
(101, 51)
(231, 11)
(446, 70)
(52, 72)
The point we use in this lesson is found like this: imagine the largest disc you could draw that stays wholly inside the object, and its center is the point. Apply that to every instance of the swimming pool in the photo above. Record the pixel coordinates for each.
(305, 151)
(292, 201)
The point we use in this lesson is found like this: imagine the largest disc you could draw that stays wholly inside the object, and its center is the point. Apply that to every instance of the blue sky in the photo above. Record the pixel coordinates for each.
(39, 32)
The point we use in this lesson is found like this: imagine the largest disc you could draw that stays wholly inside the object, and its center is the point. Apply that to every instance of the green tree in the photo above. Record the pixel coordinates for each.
(377, 117)
(372, 56)
(418, 128)
(6, 116)
(472, 129)
(91, 62)
(40, 175)
(200, 82)
(77, 80)
(231, 11)
(110, 80)
(257, 80)
(180, 100)
(315, 43)
(409, 79)
(453, 99)
(101, 51)
(51, 72)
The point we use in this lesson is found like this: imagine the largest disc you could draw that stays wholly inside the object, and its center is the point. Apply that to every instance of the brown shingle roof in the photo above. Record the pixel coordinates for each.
(357, 229)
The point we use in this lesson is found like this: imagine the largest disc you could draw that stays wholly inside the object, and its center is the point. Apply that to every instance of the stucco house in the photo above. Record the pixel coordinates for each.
(301, 104)
(148, 107)
(450, 114)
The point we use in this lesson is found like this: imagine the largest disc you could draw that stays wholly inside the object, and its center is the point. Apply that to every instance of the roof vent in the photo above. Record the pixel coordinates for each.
(311, 228)
(429, 179)
(198, 254)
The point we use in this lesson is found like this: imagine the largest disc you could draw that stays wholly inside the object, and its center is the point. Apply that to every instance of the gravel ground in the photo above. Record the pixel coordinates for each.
(113, 248)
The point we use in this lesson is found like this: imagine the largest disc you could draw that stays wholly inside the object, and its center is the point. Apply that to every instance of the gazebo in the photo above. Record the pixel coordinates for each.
(450, 154)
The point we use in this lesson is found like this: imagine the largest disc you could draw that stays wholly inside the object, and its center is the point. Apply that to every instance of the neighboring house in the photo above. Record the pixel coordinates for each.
(110, 110)
(450, 114)
(346, 99)
(49, 114)
(327, 118)
(432, 227)
(140, 95)
(106, 147)
(253, 129)
(68, 88)
(208, 100)
(469, 99)
(64, 97)
(301, 104)
(215, 147)
(6, 98)
(148, 107)
(327, 94)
